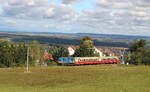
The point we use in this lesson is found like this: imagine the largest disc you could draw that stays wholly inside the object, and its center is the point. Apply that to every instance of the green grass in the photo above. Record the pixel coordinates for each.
(96, 78)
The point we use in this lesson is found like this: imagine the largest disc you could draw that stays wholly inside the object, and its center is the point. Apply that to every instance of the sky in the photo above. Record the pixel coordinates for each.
(126, 17)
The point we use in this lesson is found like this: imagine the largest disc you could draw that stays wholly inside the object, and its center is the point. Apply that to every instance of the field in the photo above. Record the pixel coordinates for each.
(95, 78)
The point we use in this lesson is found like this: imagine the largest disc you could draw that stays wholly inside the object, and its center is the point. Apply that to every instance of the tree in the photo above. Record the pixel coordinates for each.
(35, 52)
(58, 51)
(5, 56)
(12, 54)
(139, 44)
(139, 54)
(86, 48)
(20, 53)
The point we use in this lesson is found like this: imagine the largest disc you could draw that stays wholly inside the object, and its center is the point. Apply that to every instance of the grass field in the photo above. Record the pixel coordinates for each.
(96, 78)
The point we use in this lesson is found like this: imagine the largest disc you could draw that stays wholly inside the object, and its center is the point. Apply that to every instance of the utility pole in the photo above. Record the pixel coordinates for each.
(27, 66)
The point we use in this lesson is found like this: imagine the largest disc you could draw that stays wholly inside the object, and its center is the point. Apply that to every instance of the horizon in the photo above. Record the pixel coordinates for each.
(74, 33)
(115, 17)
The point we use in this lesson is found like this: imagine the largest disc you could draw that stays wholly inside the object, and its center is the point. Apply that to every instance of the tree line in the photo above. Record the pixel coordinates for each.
(12, 54)
(15, 54)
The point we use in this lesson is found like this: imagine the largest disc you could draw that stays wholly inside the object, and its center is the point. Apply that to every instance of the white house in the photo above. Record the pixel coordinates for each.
(71, 51)
(98, 51)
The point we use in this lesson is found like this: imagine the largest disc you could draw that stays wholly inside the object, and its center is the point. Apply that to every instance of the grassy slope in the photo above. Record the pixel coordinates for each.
(99, 78)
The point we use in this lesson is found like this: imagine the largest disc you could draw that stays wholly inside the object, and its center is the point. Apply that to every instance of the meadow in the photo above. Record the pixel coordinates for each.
(95, 78)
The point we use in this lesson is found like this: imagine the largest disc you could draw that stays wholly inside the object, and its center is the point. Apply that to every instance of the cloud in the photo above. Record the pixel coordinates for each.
(1, 1)
(118, 16)
(24, 8)
(37, 9)
(108, 16)
(37, 14)
(124, 4)
(60, 12)
(71, 1)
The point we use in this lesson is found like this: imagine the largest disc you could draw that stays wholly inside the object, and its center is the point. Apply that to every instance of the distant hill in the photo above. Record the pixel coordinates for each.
(71, 39)
(113, 36)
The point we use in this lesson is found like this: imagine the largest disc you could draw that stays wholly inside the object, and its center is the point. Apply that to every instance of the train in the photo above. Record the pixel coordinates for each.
(87, 60)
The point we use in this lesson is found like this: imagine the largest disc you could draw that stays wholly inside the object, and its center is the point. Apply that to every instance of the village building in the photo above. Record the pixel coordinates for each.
(71, 51)
(101, 50)
(98, 51)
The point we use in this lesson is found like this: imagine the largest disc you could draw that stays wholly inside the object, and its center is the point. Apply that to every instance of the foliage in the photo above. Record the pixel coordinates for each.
(140, 57)
(86, 48)
(20, 53)
(15, 54)
(137, 45)
(12, 54)
(58, 51)
(36, 52)
(139, 54)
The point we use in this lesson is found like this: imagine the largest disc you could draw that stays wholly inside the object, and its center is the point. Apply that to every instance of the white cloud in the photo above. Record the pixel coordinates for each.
(118, 16)
(60, 12)
(24, 8)
(49, 12)
(71, 1)
(37, 9)
(109, 16)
